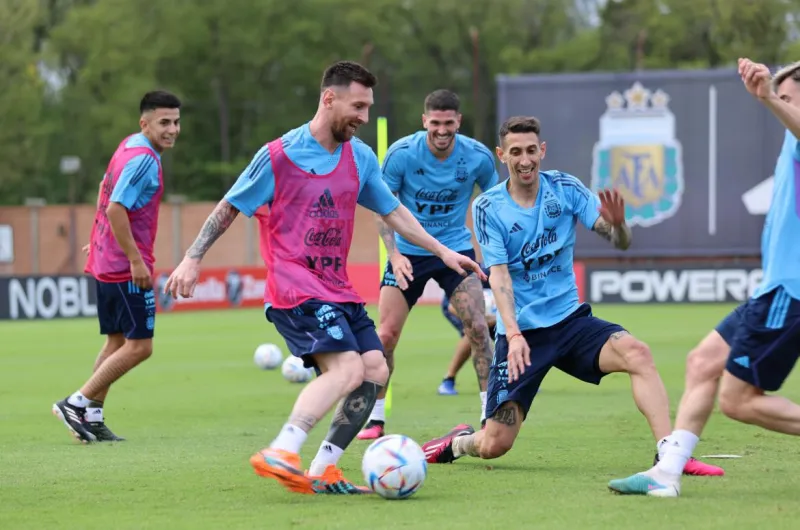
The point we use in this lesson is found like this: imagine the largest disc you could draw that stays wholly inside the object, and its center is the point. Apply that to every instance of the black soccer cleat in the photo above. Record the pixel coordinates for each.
(73, 418)
(102, 433)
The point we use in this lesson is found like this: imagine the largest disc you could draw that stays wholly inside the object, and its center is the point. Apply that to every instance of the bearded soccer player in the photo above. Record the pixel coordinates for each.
(312, 178)
(759, 342)
(120, 258)
(434, 173)
(526, 229)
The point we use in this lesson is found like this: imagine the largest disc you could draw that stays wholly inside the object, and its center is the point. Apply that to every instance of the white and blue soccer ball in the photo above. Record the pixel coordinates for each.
(394, 467)
(268, 356)
(294, 371)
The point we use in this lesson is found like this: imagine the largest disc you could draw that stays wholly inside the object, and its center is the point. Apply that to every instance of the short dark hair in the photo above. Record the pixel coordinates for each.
(442, 100)
(519, 124)
(343, 73)
(791, 71)
(159, 99)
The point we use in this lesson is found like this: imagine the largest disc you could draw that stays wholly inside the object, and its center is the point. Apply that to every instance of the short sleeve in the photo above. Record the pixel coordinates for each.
(488, 175)
(489, 233)
(393, 168)
(585, 203)
(255, 187)
(134, 181)
(375, 195)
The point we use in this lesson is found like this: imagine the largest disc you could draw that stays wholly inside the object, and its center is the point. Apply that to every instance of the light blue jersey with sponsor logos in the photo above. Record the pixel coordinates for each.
(780, 240)
(536, 244)
(438, 192)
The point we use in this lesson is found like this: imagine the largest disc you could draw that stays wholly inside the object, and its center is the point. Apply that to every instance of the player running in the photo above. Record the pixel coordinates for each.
(463, 349)
(764, 332)
(526, 229)
(433, 172)
(120, 257)
(312, 178)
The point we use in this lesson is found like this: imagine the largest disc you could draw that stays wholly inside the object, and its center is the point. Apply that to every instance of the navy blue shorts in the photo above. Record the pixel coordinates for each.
(124, 308)
(325, 327)
(573, 346)
(426, 268)
(766, 345)
(730, 324)
(456, 322)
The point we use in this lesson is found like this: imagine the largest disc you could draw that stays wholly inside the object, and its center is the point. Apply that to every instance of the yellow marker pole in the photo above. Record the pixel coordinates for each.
(383, 145)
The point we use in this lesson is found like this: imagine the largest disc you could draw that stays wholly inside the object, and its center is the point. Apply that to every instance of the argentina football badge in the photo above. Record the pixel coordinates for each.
(462, 174)
(233, 287)
(639, 155)
(164, 299)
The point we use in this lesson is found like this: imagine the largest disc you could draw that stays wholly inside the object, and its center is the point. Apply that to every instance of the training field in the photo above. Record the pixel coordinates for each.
(196, 411)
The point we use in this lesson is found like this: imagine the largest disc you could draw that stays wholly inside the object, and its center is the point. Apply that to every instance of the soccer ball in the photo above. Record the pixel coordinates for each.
(394, 467)
(267, 356)
(294, 371)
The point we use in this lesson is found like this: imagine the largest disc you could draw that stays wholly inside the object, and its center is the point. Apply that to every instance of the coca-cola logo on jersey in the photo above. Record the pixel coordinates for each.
(437, 195)
(332, 237)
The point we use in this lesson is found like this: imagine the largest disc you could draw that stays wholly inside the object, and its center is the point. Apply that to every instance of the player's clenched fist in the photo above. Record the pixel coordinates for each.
(183, 279)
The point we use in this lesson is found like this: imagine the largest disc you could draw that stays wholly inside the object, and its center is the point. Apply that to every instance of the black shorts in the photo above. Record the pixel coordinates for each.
(573, 346)
(766, 345)
(124, 308)
(728, 326)
(325, 327)
(425, 268)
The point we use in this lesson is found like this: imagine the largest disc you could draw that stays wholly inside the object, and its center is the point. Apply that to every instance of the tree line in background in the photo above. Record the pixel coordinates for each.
(72, 71)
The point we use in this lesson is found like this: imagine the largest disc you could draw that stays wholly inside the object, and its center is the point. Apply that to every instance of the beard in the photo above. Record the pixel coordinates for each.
(342, 132)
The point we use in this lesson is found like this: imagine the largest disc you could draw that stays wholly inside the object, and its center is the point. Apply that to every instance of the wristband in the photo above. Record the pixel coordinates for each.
(514, 336)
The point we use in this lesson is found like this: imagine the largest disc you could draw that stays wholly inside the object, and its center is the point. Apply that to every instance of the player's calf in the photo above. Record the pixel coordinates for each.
(501, 431)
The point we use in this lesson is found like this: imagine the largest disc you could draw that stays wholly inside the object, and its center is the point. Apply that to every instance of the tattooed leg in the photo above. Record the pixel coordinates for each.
(468, 302)
(498, 437)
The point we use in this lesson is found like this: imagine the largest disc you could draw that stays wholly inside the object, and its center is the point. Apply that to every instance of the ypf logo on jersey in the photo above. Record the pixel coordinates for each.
(639, 155)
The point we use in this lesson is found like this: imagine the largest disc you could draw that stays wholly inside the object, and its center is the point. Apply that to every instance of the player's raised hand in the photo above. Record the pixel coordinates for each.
(756, 78)
(519, 357)
(183, 279)
(612, 207)
(461, 264)
(402, 269)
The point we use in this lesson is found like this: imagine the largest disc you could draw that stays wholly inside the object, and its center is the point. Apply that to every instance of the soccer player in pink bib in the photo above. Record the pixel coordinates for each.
(121, 260)
(312, 177)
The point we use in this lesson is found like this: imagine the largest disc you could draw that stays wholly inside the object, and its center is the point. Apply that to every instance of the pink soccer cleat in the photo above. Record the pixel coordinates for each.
(372, 431)
(701, 469)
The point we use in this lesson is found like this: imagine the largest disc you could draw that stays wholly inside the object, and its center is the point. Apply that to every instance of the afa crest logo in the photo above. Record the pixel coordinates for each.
(639, 155)
(462, 174)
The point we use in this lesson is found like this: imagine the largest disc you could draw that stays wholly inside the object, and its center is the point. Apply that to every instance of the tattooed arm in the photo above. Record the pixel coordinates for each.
(387, 234)
(216, 225)
(503, 291)
(620, 236)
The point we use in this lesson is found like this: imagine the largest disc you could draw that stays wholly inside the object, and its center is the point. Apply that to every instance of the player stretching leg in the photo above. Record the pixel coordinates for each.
(463, 349)
(312, 177)
(526, 229)
(121, 260)
(434, 173)
(766, 341)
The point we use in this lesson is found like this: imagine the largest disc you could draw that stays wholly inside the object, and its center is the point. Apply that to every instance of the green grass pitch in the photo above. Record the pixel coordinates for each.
(196, 411)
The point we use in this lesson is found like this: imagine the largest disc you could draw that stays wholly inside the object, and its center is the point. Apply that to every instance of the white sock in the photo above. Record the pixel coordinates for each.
(378, 411)
(327, 455)
(678, 451)
(78, 400)
(483, 406)
(94, 414)
(290, 439)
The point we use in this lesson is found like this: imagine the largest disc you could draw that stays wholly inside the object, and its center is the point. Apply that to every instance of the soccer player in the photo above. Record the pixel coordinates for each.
(312, 178)
(526, 229)
(120, 258)
(434, 173)
(463, 349)
(764, 333)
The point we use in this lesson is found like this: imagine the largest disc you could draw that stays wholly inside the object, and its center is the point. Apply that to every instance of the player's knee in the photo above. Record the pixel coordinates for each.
(638, 358)
(495, 446)
(141, 350)
(734, 405)
(704, 364)
(375, 367)
(389, 336)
